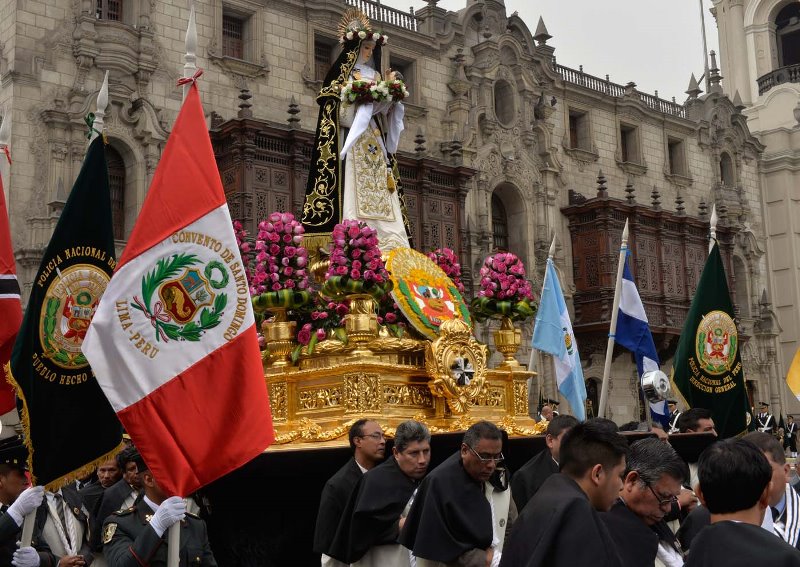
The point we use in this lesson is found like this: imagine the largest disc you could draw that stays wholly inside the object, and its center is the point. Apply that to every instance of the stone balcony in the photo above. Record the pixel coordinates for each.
(787, 74)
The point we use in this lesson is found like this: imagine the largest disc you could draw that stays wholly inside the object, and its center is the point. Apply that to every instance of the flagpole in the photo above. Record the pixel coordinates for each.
(189, 68)
(550, 255)
(100, 113)
(713, 239)
(623, 250)
(190, 58)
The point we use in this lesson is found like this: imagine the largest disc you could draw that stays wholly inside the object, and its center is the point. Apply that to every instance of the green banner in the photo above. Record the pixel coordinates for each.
(69, 424)
(707, 369)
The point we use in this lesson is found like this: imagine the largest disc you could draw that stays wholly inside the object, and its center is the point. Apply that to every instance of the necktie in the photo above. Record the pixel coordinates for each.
(60, 509)
(775, 514)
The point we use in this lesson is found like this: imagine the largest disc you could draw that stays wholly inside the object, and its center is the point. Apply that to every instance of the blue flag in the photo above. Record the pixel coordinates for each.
(634, 334)
(553, 334)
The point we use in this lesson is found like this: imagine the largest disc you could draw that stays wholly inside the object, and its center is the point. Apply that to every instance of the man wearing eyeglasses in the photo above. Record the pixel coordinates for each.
(463, 508)
(652, 483)
(369, 446)
(371, 521)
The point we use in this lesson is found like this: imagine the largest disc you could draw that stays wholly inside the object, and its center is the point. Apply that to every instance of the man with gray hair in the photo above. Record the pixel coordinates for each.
(371, 522)
(652, 483)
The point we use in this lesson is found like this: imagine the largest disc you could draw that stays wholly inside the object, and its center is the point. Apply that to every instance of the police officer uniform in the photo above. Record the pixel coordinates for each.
(130, 541)
(673, 417)
(766, 422)
(14, 454)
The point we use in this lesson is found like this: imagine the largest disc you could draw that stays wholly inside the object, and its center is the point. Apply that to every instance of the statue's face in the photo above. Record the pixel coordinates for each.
(367, 47)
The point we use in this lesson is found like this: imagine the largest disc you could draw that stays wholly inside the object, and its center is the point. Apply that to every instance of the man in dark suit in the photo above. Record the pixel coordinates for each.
(17, 500)
(560, 526)
(369, 446)
(527, 480)
(735, 487)
(137, 536)
(636, 522)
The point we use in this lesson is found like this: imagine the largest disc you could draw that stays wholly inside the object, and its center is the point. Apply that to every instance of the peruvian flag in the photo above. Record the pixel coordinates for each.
(173, 342)
(10, 306)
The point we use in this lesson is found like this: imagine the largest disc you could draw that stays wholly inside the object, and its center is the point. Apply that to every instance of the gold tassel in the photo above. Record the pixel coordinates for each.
(26, 427)
(391, 185)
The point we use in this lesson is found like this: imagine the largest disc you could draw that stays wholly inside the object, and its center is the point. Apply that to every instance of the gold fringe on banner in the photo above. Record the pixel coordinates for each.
(26, 427)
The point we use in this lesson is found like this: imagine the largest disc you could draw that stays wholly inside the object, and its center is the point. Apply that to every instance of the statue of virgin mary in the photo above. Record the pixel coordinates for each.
(353, 172)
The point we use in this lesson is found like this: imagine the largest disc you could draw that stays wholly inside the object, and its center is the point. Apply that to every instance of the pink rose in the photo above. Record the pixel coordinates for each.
(355, 274)
(304, 336)
(321, 334)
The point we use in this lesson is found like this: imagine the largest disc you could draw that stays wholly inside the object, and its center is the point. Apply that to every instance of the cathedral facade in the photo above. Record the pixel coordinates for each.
(504, 148)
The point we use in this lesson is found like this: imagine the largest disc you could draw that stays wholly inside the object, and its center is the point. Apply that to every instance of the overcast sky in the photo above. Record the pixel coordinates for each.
(655, 43)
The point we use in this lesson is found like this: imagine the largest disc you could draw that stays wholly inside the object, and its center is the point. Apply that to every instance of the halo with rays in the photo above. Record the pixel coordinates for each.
(353, 20)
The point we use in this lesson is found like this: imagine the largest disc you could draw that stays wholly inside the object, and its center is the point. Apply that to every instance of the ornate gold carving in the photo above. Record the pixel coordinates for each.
(456, 346)
(361, 323)
(507, 340)
(362, 393)
(407, 395)
(495, 398)
(320, 398)
(279, 334)
(307, 430)
(277, 401)
(509, 424)
(521, 397)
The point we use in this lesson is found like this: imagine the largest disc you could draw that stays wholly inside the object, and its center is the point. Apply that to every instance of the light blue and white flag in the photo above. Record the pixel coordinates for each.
(634, 334)
(553, 334)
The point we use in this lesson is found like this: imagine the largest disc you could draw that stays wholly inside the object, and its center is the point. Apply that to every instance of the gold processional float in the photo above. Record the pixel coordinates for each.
(350, 332)
(433, 370)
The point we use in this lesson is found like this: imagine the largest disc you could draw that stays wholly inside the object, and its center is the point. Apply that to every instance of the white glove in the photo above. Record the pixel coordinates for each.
(25, 557)
(172, 510)
(27, 502)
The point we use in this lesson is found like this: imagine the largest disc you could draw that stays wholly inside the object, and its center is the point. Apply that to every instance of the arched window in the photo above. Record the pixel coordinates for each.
(504, 105)
(116, 182)
(499, 224)
(726, 174)
(787, 34)
(591, 398)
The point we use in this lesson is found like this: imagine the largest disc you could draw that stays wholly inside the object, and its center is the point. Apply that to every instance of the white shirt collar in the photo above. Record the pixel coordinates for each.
(153, 505)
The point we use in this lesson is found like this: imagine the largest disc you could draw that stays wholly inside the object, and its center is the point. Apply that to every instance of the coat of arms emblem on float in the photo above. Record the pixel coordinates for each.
(716, 342)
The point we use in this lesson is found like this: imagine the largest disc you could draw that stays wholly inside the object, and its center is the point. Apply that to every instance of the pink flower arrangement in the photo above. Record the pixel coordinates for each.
(504, 289)
(447, 260)
(355, 257)
(280, 261)
(503, 278)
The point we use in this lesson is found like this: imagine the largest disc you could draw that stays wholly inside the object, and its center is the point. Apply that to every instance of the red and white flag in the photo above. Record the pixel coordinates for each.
(10, 306)
(173, 343)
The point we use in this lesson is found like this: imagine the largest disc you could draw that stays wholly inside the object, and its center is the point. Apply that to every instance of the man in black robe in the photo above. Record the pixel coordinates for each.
(371, 521)
(463, 507)
(560, 526)
(735, 487)
(529, 478)
(369, 446)
(652, 483)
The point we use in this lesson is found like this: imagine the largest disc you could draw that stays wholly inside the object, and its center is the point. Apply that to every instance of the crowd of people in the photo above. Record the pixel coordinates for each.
(117, 517)
(590, 498)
